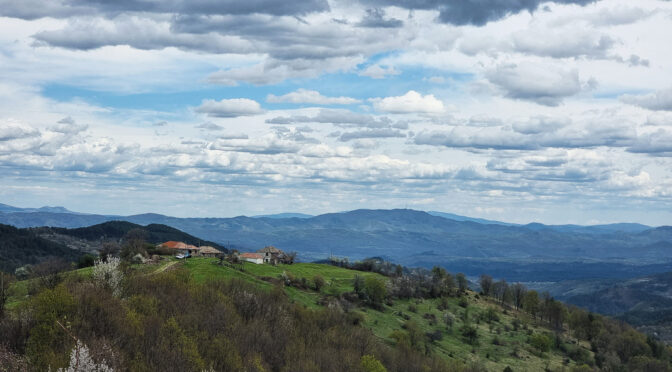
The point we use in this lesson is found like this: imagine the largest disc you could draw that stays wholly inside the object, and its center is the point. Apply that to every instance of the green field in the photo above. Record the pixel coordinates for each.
(338, 279)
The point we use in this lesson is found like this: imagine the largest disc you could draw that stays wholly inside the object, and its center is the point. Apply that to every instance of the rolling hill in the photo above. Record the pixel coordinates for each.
(532, 252)
(23, 246)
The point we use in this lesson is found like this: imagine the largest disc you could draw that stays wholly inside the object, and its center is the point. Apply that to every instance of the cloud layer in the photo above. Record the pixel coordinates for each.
(550, 110)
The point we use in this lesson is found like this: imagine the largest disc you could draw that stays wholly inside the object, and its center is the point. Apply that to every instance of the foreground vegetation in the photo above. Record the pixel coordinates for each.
(208, 314)
(135, 310)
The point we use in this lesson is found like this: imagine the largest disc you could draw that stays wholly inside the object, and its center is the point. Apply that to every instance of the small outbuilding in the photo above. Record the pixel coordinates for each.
(208, 251)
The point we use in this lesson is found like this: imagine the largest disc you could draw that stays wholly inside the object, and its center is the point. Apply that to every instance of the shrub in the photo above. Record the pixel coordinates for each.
(319, 282)
(541, 342)
(369, 363)
(86, 260)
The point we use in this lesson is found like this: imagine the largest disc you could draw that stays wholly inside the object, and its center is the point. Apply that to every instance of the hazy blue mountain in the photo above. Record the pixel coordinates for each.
(533, 252)
(4, 208)
(284, 215)
(457, 217)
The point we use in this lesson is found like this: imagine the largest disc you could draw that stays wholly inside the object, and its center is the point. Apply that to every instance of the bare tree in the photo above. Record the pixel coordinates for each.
(49, 272)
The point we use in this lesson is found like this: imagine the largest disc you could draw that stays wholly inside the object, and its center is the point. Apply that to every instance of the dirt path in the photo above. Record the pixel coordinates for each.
(164, 268)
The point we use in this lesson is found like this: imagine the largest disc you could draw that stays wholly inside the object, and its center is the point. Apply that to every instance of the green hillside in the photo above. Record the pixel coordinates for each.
(442, 327)
(509, 349)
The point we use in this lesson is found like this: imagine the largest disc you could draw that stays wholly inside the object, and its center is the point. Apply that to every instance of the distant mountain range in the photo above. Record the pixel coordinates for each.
(533, 252)
(617, 269)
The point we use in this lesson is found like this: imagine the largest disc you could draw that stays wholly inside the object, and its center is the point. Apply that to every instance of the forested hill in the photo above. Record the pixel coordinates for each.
(19, 247)
(116, 230)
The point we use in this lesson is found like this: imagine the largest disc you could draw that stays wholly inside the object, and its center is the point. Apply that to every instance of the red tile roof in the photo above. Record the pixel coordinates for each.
(178, 245)
(251, 255)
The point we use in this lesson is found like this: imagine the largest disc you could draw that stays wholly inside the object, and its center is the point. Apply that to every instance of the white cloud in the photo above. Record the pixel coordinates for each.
(229, 108)
(379, 72)
(657, 101)
(310, 96)
(541, 83)
(411, 102)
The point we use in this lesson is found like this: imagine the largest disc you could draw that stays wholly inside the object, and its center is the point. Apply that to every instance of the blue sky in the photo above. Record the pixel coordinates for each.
(558, 112)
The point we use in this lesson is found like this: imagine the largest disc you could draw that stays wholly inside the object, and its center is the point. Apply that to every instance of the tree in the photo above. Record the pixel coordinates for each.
(6, 281)
(108, 249)
(290, 257)
(358, 284)
(81, 361)
(518, 293)
(49, 272)
(370, 364)
(375, 290)
(470, 334)
(462, 283)
(86, 260)
(486, 283)
(531, 303)
(319, 282)
(134, 243)
(541, 342)
(499, 290)
(108, 275)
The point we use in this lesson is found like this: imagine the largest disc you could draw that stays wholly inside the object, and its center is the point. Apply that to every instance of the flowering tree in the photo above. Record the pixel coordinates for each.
(81, 361)
(108, 275)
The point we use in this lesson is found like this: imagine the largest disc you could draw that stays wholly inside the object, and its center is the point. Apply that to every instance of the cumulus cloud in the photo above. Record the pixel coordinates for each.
(68, 126)
(31, 9)
(570, 42)
(541, 124)
(371, 133)
(411, 102)
(11, 131)
(341, 118)
(462, 12)
(657, 101)
(310, 96)
(536, 134)
(657, 143)
(229, 108)
(543, 84)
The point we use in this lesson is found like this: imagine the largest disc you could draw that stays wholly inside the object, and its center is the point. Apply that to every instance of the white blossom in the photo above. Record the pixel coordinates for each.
(81, 361)
(108, 275)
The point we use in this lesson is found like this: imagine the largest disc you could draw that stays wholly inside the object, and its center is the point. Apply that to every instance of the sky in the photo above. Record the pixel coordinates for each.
(557, 112)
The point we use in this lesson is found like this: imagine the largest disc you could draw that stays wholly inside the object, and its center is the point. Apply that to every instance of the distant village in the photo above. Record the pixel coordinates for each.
(267, 255)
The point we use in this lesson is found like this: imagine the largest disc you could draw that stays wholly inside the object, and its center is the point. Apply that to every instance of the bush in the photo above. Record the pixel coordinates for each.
(541, 342)
(319, 282)
(470, 334)
(369, 363)
(86, 260)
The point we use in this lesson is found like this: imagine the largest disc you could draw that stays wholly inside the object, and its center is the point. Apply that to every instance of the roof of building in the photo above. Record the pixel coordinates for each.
(251, 255)
(178, 245)
(206, 249)
(269, 249)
